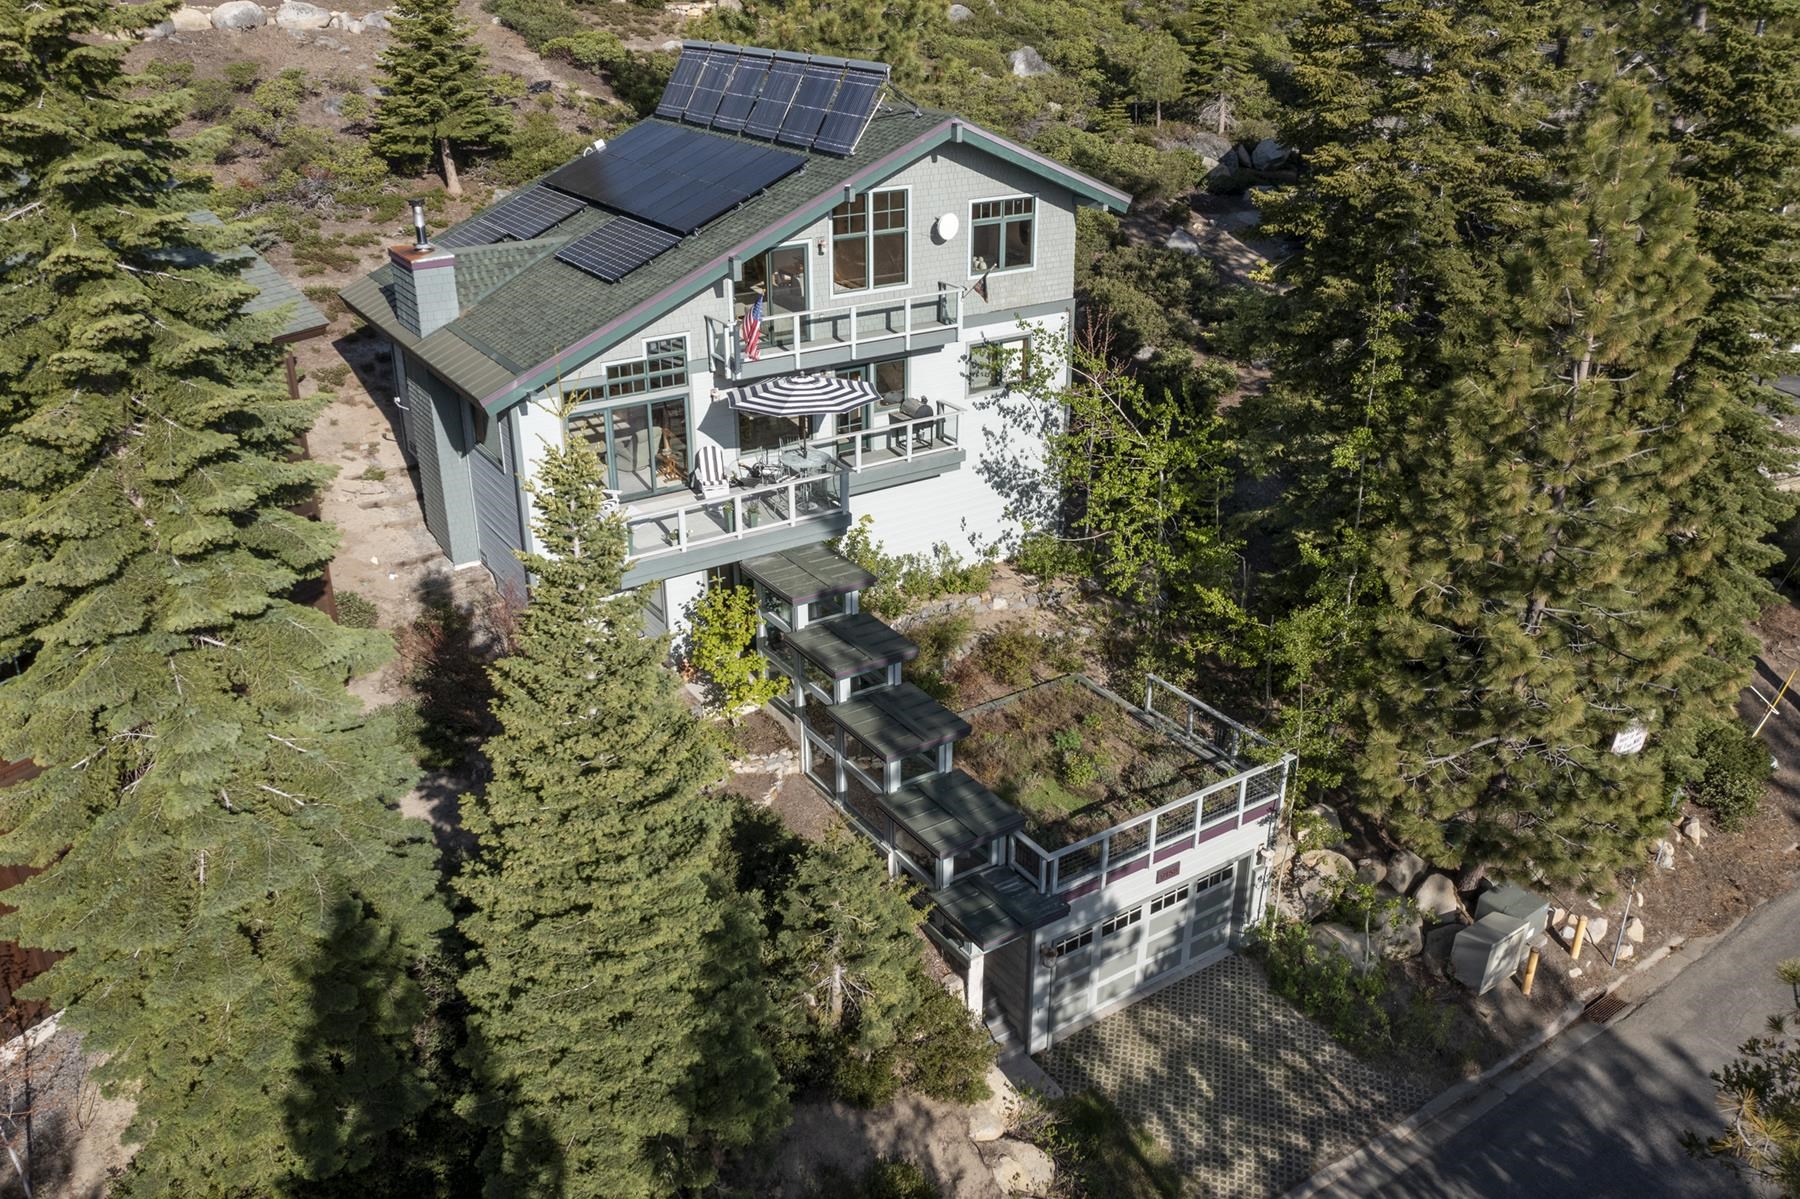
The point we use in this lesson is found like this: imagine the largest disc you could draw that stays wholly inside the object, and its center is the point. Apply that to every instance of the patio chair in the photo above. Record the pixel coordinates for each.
(710, 480)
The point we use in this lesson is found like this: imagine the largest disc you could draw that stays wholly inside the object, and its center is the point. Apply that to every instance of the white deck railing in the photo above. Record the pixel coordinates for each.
(820, 494)
(898, 441)
(861, 330)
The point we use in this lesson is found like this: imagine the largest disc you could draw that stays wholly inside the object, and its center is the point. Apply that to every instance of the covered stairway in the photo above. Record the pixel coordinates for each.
(884, 752)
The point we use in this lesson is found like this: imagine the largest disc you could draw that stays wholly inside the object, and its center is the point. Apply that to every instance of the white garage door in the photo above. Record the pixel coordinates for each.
(1105, 963)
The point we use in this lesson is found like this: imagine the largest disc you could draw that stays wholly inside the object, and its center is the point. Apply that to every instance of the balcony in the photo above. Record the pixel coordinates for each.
(897, 451)
(825, 337)
(776, 501)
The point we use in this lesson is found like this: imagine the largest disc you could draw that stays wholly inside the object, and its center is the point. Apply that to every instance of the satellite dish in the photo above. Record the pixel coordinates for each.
(947, 226)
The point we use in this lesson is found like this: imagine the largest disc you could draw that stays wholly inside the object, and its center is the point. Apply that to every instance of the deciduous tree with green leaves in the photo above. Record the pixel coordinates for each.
(240, 903)
(615, 991)
(1541, 598)
(437, 94)
(722, 648)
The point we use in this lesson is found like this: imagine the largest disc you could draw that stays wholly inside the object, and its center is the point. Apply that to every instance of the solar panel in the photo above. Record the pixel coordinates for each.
(772, 105)
(740, 93)
(680, 87)
(616, 248)
(850, 111)
(818, 83)
(674, 176)
(526, 214)
(473, 232)
(710, 88)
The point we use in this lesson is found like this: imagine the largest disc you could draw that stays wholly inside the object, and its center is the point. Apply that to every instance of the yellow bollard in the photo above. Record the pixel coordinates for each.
(1580, 936)
(1530, 972)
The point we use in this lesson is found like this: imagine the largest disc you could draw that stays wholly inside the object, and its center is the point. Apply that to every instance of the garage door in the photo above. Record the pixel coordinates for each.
(1104, 964)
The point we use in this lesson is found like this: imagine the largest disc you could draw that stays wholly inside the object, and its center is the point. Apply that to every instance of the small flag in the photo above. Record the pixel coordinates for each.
(753, 329)
(980, 287)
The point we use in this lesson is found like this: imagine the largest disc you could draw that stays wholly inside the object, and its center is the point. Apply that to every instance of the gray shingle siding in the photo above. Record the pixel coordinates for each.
(440, 438)
(496, 494)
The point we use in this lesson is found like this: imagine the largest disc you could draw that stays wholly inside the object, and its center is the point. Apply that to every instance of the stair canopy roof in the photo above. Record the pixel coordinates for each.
(808, 573)
(896, 721)
(951, 813)
(851, 644)
(995, 906)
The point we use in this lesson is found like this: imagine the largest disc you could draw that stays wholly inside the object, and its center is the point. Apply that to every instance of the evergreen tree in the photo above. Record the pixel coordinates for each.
(240, 903)
(438, 96)
(1230, 47)
(614, 982)
(1542, 600)
(847, 947)
(1159, 69)
(889, 31)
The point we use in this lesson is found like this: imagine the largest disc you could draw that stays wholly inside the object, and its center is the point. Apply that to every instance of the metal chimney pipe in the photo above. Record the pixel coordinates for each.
(420, 241)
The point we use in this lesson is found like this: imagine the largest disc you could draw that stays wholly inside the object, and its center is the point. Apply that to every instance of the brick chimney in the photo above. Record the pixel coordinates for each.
(424, 281)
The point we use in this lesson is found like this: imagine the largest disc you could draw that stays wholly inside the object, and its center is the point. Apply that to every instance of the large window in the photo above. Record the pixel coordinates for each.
(868, 241)
(997, 365)
(640, 435)
(1002, 234)
(888, 378)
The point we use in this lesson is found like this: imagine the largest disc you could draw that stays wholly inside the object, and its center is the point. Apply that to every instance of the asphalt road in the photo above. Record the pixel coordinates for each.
(1599, 1113)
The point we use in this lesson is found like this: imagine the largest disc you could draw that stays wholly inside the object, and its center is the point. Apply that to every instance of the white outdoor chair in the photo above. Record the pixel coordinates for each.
(710, 479)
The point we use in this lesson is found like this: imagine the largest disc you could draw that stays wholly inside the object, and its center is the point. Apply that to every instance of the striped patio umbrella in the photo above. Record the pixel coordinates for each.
(803, 395)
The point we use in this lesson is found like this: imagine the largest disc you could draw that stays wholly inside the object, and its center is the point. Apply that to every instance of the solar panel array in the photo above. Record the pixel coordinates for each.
(616, 248)
(673, 176)
(520, 217)
(812, 102)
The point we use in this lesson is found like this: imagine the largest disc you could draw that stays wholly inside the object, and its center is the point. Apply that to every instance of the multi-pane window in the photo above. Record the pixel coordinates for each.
(995, 365)
(1178, 895)
(662, 368)
(868, 241)
(1122, 921)
(1001, 234)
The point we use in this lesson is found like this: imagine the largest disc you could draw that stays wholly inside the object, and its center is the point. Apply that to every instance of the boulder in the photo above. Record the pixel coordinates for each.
(1598, 927)
(1663, 854)
(1268, 154)
(239, 14)
(1693, 830)
(1318, 873)
(1404, 869)
(1214, 146)
(1027, 62)
(958, 13)
(190, 20)
(1329, 815)
(1634, 931)
(1182, 242)
(1329, 938)
(296, 14)
(989, 1119)
(1559, 917)
(159, 31)
(1437, 897)
(376, 22)
(1020, 1168)
(1400, 936)
(1369, 871)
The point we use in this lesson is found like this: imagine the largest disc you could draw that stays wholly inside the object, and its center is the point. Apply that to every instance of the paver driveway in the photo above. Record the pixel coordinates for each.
(1249, 1095)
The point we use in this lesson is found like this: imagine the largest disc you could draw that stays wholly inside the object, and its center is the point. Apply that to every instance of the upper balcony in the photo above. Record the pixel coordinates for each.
(818, 338)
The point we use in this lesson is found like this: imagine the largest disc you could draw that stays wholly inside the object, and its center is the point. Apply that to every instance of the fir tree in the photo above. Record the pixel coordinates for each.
(438, 96)
(240, 902)
(1542, 600)
(614, 983)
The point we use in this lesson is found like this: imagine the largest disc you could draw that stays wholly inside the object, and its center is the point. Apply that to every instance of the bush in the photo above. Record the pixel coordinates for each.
(539, 144)
(904, 581)
(1734, 774)
(939, 640)
(356, 611)
(1346, 1000)
(537, 21)
(1011, 654)
(242, 74)
(721, 650)
(592, 50)
(1047, 557)
(210, 99)
(943, 1051)
(892, 1179)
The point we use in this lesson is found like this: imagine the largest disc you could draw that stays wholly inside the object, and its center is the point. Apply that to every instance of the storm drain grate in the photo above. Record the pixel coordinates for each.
(1603, 1009)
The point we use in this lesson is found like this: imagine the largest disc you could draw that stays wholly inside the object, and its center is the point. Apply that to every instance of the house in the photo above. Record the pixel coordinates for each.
(903, 249)
(783, 303)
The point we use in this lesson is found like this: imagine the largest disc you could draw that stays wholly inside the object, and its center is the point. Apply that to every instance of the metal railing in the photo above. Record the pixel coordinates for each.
(867, 329)
(901, 440)
(822, 491)
(1202, 727)
(1155, 836)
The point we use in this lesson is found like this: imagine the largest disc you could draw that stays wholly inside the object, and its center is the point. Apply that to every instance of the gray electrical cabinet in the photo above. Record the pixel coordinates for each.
(1515, 901)
(1489, 950)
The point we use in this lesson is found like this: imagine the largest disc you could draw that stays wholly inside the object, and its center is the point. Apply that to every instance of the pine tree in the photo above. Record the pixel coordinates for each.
(240, 902)
(614, 982)
(438, 96)
(846, 950)
(1542, 598)
(889, 31)
(1159, 69)
(1229, 47)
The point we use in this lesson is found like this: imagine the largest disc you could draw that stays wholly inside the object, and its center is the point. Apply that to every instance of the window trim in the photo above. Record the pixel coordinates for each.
(572, 409)
(969, 258)
(479, 417)
(1023, 340)
(868, 236)
(807, 282)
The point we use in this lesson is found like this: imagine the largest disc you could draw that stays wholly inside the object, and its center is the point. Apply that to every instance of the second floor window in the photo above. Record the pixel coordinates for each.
(1002, 234)
(868, 241)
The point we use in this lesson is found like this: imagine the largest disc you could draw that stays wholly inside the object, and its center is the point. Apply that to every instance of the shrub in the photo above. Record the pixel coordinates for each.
(356, 611)
(903, 581)
(592, 50)
(333, 375)
(943, 1051)
(889, 1178)
(210, 99)
(1734, 774)
(1346, 1000)
(537, 21)
(1011, 654)
(1044, 556)
(242, 74)
(721, 651)
(373, 474)
(539, 144)
(939, 640)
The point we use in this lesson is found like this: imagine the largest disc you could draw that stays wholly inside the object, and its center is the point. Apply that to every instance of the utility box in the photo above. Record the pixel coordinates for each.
(1490, 949)
(1517, 902)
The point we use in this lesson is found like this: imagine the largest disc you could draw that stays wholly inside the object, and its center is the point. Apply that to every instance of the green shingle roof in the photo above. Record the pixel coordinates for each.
(532, 311)
(273, 291)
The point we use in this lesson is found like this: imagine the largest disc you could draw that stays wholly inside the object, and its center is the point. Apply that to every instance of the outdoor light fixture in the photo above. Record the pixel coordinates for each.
(420, 241)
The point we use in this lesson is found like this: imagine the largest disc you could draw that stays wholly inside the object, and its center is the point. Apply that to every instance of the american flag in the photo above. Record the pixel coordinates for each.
(753, 330)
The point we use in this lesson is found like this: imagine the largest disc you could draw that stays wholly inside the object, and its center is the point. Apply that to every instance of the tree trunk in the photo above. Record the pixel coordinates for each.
(452, 185)
(837, 996)
(1159, 114)
(1471, 875)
